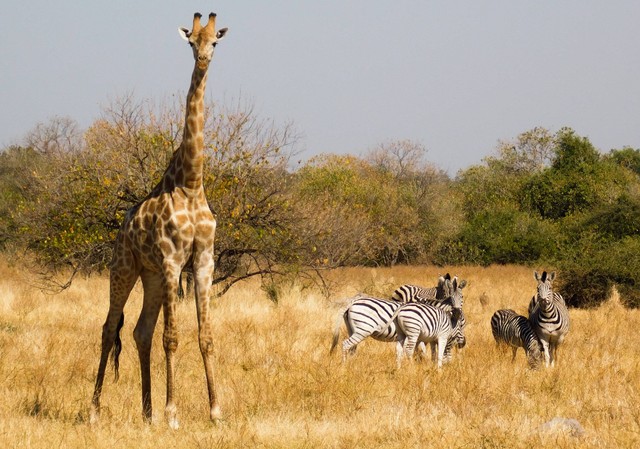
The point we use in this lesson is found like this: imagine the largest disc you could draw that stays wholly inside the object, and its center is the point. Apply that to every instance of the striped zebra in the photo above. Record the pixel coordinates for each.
(415, 293)
(549, 316)
(515, 330)
(416, 322)
(424, 323)
(364, 316)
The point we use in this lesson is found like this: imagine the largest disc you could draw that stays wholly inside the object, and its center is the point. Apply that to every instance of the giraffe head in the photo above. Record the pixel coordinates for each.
(203, 39)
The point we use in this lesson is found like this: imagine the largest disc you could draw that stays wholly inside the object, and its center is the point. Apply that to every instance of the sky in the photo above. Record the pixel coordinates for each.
(454, 76)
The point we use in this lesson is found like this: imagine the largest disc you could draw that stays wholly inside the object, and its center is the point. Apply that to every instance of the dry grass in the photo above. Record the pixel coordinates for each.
(280, 388)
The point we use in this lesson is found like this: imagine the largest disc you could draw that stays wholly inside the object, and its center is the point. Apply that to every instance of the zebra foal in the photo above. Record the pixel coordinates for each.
(549, 316)
(515, 330)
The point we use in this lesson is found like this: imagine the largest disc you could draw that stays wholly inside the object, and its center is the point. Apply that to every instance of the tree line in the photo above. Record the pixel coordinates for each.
(542, 198)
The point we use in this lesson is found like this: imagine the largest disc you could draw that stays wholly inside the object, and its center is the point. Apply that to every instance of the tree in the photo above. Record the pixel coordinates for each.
(530, 152)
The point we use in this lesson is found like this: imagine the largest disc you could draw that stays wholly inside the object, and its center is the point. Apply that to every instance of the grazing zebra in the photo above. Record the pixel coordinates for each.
(549, 316)
(515, 331)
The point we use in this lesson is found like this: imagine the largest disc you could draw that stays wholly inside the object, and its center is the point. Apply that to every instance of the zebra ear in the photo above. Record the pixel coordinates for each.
(455, 283)
(552, 276)
(447, 276)
(536, 276)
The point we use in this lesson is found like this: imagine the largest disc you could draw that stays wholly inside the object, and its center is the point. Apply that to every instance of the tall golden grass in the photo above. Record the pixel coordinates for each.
(279, 387)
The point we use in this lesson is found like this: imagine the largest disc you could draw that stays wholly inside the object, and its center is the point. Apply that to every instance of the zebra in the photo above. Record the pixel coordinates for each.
(549, 316)
(515, 330)
(417, 322)
(364, 315)
(429, 322)
(415, 293)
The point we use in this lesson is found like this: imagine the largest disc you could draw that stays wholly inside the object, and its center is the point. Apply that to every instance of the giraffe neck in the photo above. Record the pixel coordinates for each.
(186, 167)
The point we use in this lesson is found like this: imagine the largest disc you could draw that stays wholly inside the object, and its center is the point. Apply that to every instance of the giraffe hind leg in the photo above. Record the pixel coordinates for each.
(143, 335)
(121, 283)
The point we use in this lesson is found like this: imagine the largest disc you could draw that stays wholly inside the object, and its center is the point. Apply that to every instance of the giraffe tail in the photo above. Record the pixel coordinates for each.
(117, 347)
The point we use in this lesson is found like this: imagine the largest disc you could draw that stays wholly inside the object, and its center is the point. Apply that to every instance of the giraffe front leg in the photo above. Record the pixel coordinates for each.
(203, 278)
(170, 343)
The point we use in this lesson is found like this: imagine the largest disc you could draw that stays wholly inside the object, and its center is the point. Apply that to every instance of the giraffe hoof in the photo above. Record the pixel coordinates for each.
(173, 423)
(215, 414)
(94, 416)
(171, 415)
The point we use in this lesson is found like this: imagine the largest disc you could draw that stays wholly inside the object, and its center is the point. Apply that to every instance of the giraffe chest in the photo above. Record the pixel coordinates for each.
(169, 229)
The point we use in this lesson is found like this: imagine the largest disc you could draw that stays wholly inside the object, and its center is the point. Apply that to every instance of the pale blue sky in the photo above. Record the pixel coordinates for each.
(453, 76)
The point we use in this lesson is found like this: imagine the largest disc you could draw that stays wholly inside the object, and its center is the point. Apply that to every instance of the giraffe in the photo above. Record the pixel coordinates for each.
(172, 227)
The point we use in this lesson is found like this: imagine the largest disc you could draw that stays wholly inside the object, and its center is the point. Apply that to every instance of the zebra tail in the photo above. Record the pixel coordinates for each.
(117, 347)
(336, 331)
(384, 326)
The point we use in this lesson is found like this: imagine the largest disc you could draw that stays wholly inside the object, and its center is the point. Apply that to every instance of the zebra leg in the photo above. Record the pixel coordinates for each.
(553, 347)
(515, 349)
(399, 353)
(442, 343)
(350, 344)
(422, 351)
(410, 346)
(434, 355)
(545, 350)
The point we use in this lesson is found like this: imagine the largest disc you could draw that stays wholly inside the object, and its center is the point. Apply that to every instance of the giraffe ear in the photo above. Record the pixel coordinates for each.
(184, 33)
(221, 33)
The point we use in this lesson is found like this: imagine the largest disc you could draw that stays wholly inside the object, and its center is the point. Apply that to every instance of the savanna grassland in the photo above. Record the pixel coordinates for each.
(279, 386)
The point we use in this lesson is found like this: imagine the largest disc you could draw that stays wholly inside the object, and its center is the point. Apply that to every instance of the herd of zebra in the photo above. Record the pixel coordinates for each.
(415, 316)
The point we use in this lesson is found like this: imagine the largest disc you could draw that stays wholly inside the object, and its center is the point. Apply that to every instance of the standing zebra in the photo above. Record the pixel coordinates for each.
(365, 316)
(549, 316)
(424, 323)
(362, 317)
(515, 331)
(415, 293)
(428, 322)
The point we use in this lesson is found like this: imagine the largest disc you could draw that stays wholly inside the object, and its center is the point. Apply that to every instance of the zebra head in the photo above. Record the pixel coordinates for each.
(458, 332)
(545, 286)
(456, 296)
(535, 354)
(442, 289)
